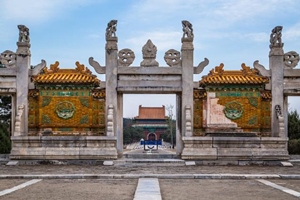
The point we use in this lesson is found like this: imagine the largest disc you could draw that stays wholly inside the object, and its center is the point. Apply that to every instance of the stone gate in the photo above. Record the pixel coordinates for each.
(236, 115)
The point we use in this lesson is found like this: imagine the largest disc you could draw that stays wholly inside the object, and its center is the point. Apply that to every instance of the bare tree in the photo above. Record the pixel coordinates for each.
(170, 118)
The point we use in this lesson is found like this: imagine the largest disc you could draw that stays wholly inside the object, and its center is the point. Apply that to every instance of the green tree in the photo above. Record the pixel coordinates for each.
(293, 124)
(294, 132)
(131, 134)
(5, 144)
(5, 109)
(167, 137)
(5, 115)
(171, 131)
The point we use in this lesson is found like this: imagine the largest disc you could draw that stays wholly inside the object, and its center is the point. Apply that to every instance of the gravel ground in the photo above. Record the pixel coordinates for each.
(220, 189)
(73, 189)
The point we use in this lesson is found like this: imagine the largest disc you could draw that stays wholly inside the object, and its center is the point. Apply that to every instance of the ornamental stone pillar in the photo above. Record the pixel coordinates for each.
(111, 59)
(23, 66)
(187, 52)
(276, 65)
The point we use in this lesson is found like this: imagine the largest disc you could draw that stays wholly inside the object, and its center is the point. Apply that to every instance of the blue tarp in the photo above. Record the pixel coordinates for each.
(151, 142)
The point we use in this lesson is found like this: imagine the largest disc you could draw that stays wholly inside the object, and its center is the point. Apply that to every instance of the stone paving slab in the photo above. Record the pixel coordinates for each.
(147, 189)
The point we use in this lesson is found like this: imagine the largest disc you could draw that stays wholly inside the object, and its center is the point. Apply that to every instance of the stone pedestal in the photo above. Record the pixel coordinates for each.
(235, 148)
(63, 147)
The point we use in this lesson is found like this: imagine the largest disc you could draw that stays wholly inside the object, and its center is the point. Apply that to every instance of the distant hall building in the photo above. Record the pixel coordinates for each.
(153, 120)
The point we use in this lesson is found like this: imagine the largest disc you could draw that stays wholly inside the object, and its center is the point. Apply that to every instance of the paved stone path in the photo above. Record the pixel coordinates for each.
(147, 189)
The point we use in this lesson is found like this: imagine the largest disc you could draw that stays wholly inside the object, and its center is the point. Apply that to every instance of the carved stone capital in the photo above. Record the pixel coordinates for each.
(111, 45)
(23, 49)
(187, 46)
(276, 51)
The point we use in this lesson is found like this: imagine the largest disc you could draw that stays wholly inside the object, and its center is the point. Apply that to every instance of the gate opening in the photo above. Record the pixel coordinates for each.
(149, 119)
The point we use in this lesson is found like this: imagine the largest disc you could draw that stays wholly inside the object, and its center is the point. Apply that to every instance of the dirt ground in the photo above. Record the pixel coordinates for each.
(75, 189)
(220, 189)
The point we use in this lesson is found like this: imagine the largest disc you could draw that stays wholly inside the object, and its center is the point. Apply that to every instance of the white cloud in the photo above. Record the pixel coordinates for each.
(153, 9)
(37, 11)
(233, 10)
(258, 37)
(292, 33)
(162, 40)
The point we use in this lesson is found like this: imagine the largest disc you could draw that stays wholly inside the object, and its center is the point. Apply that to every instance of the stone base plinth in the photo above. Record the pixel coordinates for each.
(235, 148)
(63, 147)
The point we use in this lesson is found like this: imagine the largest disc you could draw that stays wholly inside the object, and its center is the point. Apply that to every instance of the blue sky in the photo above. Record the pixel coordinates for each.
(225, 31)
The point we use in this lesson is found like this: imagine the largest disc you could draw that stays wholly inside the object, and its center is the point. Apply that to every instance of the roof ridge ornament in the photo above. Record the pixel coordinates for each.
(82, 69)
(217, 70)
(53, 68)
(246, 70)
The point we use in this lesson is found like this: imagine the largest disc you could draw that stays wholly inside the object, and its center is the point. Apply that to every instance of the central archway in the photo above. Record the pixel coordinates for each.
(130, 103)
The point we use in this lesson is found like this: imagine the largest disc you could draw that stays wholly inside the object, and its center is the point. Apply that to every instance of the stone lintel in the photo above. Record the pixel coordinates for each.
(291, 92)
(8, 82)
(7, 90)
(149, 90)
(150, 70)
(291, 73)
(149, 83)
(8, 71)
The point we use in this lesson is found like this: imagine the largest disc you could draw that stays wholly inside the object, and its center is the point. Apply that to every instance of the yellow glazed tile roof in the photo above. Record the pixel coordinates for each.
(266, 94)
(246, 75)
(54, 75)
